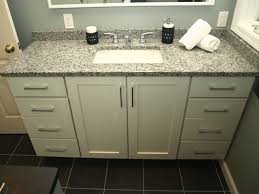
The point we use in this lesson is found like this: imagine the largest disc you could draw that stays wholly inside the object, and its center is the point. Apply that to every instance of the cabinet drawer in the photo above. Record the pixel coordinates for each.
(43, 107)
(37, 86)
(215, 107)
(49, 127)
(221, 86)
(56, 147)
(209, 128)
(203, 149)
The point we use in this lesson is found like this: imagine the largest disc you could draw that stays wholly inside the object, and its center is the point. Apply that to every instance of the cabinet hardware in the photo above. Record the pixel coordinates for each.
(212, 87)
(132, 95)
(142, 39)
(216, 131)
(121, 96)
(56, 149)
(204, 153)
(9, 48)
(56, 129)
(224, 110)
(42, 109)
(2, 187)
(114, 37)
(36, 87)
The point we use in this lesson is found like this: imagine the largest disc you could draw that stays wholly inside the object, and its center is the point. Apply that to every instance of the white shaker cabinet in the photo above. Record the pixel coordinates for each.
(44, 107)
(156, 107)
(100, 114)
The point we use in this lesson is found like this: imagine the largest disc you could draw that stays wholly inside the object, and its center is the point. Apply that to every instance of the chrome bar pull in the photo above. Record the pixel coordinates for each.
(222, 110)
(204, 153)
(120, 96)
(55, 129)
(132, 97)
(216, 131)
(42, 109)
(36, 87)
(212, 87)
(56, 149)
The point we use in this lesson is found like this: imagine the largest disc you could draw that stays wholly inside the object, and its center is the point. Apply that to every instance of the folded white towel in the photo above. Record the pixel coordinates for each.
(209, 43)
(195, 34)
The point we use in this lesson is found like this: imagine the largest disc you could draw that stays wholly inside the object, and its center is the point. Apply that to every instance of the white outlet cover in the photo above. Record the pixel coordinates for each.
(68, 21)
(222, 19)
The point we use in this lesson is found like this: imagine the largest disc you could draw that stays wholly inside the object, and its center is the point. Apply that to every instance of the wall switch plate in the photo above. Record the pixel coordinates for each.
(68, 21)
(223, 19)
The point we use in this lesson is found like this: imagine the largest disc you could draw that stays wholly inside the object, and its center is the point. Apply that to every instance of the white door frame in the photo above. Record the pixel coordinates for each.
(11, 21)
(9, 33)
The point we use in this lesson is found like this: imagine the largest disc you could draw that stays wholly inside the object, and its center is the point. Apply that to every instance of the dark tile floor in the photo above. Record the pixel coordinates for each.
(101, 176)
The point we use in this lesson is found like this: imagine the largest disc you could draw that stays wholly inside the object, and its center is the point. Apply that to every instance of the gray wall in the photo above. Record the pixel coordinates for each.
(243, 157)
(30, 15)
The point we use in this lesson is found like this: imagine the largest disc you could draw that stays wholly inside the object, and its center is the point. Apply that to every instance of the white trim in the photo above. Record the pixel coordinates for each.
(228, 177)
(241, 31)
(11, 21)
(162, 4)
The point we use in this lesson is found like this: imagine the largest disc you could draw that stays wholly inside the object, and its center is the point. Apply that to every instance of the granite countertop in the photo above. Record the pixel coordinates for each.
(74, 58)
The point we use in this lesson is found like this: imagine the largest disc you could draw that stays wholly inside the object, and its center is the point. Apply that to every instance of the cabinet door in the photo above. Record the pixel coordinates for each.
(10, 119)
(100, 115)
(156, 108)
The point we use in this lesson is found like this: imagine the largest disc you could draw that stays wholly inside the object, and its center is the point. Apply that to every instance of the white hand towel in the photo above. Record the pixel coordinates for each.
(195, 34)
(209, 43)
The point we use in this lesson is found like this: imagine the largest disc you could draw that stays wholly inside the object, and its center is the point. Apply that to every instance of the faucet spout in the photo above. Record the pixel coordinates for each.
(128, 39)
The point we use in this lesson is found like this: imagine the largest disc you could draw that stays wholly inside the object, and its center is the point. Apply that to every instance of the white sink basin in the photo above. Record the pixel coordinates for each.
(117, 56)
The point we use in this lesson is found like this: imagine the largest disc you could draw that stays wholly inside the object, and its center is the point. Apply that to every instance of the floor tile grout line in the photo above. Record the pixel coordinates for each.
(83, 188)
(193, 191)
(181, 177)
(143, 171)
(215, 166)
(27, 155)
(165, 190)
(40, 161)
(106, 173)
(14, 150)
(70, 172)
(205, 191)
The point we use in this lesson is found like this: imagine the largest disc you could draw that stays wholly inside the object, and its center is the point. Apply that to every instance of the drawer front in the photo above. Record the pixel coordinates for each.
(37, 86)
(215, 107)
(221, 86)
(209, 128)
(49, 127)
(203, 149)
(43, 107)
(56, 147)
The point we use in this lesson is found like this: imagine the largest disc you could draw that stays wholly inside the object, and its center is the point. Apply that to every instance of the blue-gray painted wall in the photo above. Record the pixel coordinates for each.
(29, 15)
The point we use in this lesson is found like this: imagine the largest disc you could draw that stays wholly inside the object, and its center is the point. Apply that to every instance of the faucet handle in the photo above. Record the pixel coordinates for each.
(142, 37)
(114, 36)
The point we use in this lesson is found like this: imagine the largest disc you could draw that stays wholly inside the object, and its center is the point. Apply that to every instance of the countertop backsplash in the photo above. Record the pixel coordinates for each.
(80, 34)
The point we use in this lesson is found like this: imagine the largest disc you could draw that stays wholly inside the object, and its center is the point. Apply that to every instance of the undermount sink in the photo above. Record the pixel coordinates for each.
(119, 56)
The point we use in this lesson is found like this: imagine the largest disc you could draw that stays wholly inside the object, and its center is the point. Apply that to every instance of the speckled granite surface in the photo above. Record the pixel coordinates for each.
(135, 33)
(59, 57)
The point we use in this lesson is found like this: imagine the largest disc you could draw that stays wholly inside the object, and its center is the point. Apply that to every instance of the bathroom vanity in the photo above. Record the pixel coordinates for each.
(186, 107)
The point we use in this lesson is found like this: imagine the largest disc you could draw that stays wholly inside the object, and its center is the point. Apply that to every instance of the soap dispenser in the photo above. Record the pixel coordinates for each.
(168, 32)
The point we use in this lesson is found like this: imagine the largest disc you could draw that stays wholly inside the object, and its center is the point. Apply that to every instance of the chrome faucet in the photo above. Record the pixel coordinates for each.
(128, 39)
(114, 37)
(256, 28)
(142, 37)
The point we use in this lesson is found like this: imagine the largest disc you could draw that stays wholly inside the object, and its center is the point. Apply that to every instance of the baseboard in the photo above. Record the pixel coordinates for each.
(228, 177)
